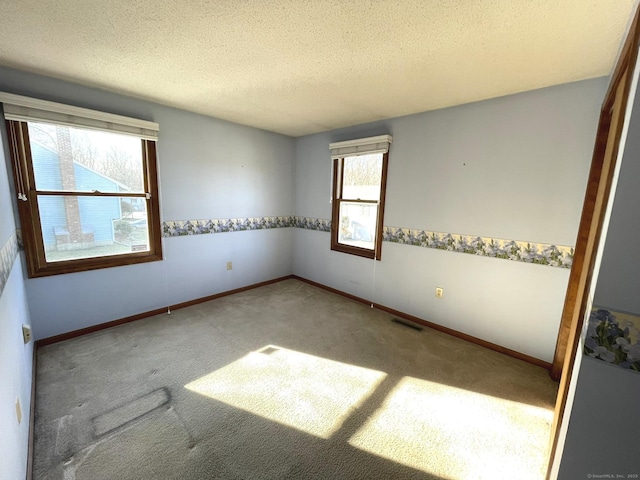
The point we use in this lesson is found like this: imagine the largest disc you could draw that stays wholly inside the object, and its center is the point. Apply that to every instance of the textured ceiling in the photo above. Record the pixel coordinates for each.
(304, 66)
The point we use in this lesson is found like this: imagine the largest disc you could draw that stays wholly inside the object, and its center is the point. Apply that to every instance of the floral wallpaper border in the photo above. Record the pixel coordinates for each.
(309, 223)
(179, 228)
(519, 251)
(8, 254)
(614, 338)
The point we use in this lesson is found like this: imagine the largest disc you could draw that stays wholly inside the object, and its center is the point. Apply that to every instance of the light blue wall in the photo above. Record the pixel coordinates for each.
(602, 436)
(604, 425)
(208, 169)
(15, 357)
(511, 168)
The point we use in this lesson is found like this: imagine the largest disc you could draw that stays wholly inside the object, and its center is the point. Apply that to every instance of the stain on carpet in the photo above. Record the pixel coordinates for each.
(129, 412)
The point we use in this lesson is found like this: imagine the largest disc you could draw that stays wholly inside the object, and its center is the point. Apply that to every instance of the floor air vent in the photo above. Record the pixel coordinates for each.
(407, 323)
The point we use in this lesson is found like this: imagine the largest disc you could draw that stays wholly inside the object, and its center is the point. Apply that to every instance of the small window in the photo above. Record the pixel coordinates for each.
(359, 184)
(88, 196)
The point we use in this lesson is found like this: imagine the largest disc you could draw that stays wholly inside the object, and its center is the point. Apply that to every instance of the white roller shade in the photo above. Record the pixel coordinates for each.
(17, 107)
(361, 146)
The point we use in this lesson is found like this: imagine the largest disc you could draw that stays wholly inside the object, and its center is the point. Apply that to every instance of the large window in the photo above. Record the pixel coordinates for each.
(359, 183)
(87, 186)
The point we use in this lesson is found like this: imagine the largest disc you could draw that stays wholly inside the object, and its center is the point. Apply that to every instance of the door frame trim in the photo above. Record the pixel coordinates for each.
(605, 156)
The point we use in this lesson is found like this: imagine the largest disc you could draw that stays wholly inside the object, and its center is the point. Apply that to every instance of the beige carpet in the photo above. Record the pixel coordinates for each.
(286, 381)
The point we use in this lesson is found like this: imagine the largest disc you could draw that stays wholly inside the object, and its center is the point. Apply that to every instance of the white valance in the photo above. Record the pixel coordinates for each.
(361, 146)
(17, 107)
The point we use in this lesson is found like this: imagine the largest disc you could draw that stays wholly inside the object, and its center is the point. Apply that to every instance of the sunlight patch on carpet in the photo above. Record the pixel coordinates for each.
(456, 433)
(311, 394)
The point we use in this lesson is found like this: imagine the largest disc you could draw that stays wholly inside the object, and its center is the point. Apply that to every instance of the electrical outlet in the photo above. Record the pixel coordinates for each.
(439, 292)
(18, 410)
(26, 333)
(229, 265)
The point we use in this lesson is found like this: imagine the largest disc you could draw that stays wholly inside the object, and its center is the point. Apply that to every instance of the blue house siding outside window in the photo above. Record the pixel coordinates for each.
(96, 214)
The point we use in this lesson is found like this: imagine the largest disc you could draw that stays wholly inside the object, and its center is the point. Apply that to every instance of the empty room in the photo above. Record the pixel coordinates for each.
(319, 240)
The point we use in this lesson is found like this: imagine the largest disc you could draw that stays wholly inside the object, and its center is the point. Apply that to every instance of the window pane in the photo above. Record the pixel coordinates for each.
(78, 159)
(84, 227)
(358, 224)
(362, 177)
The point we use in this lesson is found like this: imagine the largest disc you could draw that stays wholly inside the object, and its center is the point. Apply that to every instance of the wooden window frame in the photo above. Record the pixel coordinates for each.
(337, 199)
(23, 173)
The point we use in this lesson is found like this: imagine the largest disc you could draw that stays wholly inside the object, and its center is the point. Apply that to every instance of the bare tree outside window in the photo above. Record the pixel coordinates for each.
(119, 161)
(363, 170)
(362, 175)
